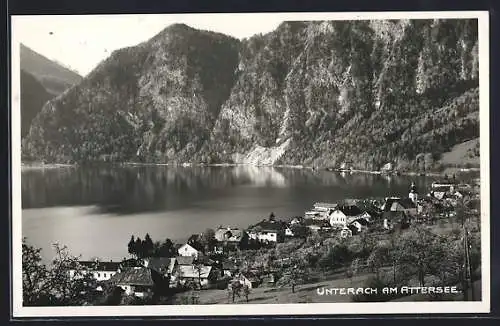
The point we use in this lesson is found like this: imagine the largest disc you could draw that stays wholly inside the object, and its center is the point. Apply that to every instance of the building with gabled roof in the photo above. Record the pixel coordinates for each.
(340, 216)
(202, 275)
(99, 270)
(187, 250)
(138, 281)
(268, 231)
(161, 265)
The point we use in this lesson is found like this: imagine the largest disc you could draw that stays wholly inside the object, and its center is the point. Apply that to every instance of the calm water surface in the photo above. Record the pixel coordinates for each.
(95, 210)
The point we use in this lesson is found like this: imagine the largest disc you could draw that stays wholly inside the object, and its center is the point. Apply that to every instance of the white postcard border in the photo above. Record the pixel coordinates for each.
(482, 306)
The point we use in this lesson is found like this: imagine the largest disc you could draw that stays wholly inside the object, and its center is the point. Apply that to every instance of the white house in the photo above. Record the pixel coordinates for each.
(268, 236)
(187, 250)
(100, 270)
(345, 232)
(268, 231)
(340, 216)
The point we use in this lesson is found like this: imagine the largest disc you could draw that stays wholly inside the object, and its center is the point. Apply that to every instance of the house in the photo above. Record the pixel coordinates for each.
(99, 270)
(248, 279)
(386, 207)
(395, 218)
(359, 224)
(230, 237)
(441, 192)
(162, 265)
(268, 231)
(167, 267)
(317, 225)
(315, 215)
(386, 168)
(324, 207)
(444, 186)
(138, 281)
(339, 216)
(371, 211)
(288, 232)
(195, 241)
(345, 232)
(187, 250)
(204, 276)
(321, 211)
(131, 262)
(405, 205)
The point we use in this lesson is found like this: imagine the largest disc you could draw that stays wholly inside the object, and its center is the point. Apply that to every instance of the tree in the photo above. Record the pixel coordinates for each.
(36, 284)
(300, 231)
(147, 246)
(131, 246)
(296, 274)
(54, 285)
(234, 289)
(69, 289)
(208, 239)
(419, 253)
(272, 216)
(336, 256)
(378, 258)
(198, 266)
(139, 248)
(246, 291)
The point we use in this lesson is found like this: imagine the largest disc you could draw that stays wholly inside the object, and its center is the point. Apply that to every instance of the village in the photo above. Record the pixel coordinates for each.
(232, 263)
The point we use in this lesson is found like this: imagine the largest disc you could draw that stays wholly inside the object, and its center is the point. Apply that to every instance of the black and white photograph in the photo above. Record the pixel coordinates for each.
(257, 163)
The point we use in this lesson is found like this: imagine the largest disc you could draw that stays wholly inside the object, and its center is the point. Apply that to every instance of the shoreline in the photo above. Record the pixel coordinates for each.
(41, 166)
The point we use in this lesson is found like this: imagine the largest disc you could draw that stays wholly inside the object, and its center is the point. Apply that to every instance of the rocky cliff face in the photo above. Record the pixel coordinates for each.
(319, 93)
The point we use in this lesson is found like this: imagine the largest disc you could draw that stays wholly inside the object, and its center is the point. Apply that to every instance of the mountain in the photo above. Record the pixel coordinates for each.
(53, 76)
(33, 97)
(313, 93)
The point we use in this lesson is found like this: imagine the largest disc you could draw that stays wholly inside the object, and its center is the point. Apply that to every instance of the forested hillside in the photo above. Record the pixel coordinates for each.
(313, 93)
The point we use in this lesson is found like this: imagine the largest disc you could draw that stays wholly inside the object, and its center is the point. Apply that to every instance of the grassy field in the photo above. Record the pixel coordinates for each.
(459, 156)
(306, 293)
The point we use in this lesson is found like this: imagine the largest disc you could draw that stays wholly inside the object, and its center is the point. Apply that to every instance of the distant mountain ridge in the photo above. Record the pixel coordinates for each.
(54, 77)
(33, 98)
(313, 93)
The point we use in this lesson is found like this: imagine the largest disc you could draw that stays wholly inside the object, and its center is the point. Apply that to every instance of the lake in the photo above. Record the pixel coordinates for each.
(95, 210)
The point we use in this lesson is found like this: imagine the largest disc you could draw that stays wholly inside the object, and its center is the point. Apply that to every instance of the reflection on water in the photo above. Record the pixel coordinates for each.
(94, 210)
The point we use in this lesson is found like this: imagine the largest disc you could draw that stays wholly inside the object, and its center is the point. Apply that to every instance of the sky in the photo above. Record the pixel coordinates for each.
(81, 42)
